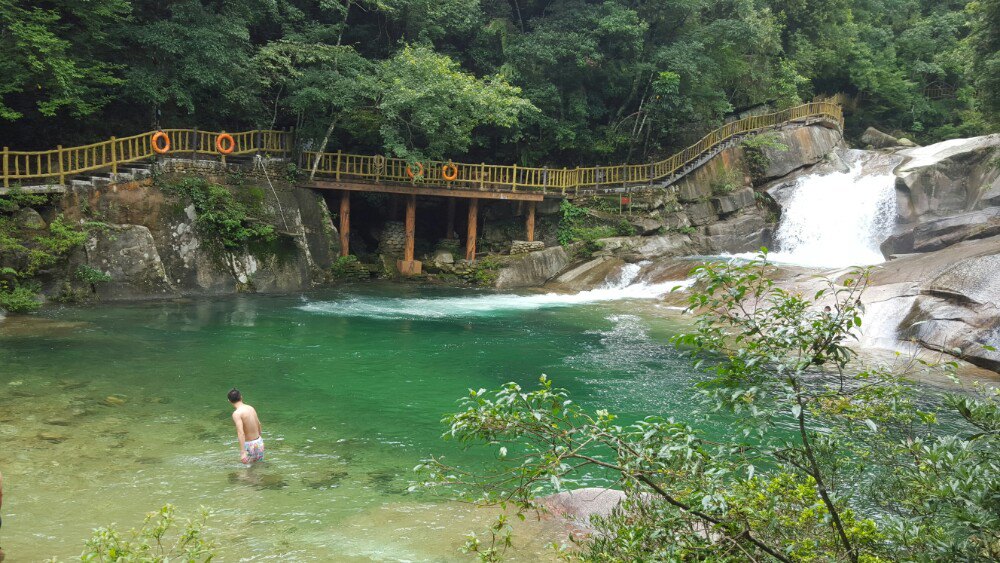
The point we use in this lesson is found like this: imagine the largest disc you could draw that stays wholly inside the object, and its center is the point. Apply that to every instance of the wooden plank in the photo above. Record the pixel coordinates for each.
(420, 190)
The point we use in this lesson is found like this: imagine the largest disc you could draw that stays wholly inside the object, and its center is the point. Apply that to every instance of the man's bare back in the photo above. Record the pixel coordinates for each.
(246, 416)
(247, 428)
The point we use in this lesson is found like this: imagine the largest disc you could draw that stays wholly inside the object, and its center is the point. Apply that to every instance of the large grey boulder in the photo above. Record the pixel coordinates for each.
(805, 146)
(128, 254)
(701, 213)
(745, 232)
(878, 140)
(941, 233)
(731, 203)
(646, 248)
(580, 505)
(943, 300)
(588, 275)
(28, 218)
(947, 178)
(533, 269)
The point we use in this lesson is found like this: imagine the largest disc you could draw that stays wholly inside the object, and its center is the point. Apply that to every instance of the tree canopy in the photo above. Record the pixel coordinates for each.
(558, 82)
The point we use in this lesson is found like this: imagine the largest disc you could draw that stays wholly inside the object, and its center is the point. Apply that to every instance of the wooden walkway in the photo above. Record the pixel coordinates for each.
(108, 161)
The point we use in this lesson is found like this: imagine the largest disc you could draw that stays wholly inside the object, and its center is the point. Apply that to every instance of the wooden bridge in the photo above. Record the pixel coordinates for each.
(49, 171)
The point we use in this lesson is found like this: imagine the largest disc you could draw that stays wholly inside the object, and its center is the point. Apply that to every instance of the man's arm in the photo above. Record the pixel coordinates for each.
(241, 435)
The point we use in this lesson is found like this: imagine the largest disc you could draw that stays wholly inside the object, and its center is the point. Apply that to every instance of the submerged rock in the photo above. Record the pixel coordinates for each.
(51, 437)
(114, 400)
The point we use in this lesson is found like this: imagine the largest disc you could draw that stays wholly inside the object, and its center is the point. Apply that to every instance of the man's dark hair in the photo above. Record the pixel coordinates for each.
(235, 396)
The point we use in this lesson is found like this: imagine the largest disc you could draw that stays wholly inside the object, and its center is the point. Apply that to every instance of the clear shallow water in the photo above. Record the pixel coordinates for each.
(351, 387)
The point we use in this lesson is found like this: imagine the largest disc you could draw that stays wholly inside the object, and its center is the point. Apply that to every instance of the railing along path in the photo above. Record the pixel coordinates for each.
(62, 162)
(57, 164)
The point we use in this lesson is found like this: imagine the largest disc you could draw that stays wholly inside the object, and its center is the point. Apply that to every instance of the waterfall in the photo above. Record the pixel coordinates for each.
(839, 219)
(624, 285)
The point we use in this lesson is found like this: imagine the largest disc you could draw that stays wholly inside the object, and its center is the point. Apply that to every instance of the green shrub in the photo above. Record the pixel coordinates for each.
(223, 219)
(344, 266)
(487, 270)
(730, 181)
(19, 298)
(16, 198)
(756, 159)
(86, 274)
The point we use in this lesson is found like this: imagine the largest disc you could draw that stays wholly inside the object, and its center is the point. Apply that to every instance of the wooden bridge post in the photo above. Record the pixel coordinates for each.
(470, 237)
(337, 172)
(408, 266)
(513, 187)
(6, 167)
(345, 222)
(530, 225)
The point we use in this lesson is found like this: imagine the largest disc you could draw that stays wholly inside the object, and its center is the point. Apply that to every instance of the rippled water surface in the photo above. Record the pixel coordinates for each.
(107, 413)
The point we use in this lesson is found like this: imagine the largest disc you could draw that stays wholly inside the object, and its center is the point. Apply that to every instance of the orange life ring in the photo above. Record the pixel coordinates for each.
(449, 175)
(420, 170)
(155, 142)
(231, 143)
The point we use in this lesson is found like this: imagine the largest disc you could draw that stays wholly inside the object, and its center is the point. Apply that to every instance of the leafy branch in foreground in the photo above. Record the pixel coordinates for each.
(151, 542)
(828, 459)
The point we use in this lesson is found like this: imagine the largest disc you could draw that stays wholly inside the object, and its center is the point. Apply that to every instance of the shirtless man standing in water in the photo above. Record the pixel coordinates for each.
(247, 428)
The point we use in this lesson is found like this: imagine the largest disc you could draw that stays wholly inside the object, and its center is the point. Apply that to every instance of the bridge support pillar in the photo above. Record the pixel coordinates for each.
(408, 266)
(529, 226)
(470, 238)
(345, 222)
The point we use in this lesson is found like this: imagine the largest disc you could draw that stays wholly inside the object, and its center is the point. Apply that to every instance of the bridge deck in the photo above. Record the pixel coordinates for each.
(407, 189)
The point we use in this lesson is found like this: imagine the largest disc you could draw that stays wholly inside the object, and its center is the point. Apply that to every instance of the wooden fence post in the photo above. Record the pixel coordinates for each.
(114, 158)
(6, 167)
(513, 187)
(482, 175)
(62, 165)
(337, 171)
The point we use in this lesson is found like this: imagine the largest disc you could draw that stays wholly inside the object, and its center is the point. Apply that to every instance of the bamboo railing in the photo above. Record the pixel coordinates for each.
(55, 165)
(492, 177)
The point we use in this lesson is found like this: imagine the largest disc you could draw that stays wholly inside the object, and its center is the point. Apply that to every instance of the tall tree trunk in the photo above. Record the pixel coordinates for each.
(322, 147)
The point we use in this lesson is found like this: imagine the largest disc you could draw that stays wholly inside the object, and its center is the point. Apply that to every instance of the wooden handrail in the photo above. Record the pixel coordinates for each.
(493, 177)
(56, 164)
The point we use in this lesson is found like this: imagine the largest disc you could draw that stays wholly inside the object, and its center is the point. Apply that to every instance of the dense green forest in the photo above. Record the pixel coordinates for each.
(528, 81)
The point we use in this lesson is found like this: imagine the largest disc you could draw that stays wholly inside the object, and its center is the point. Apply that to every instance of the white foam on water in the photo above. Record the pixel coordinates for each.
(837, 220)
(624, 287)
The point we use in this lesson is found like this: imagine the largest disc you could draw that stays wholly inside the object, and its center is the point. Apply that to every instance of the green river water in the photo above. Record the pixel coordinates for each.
(350, 386)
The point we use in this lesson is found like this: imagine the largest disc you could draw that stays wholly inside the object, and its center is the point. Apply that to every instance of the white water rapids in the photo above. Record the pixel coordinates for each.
(839, 219)
(625, 286)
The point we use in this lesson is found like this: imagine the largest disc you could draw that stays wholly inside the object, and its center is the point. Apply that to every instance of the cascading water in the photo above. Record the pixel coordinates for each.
(839, 219)
(623, 286)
